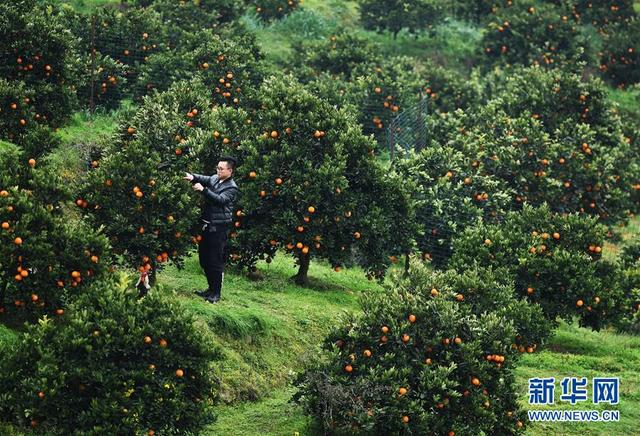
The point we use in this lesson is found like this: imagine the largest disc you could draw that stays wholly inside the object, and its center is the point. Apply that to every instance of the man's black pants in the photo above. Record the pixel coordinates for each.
(212, 255)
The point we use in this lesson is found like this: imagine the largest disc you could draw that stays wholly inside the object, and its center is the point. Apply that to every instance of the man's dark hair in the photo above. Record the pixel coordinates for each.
(231, 161)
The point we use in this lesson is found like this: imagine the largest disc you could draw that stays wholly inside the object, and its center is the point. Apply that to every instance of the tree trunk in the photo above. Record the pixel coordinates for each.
(406, 264)
(153, 277)
(301, 278)
(254, 274)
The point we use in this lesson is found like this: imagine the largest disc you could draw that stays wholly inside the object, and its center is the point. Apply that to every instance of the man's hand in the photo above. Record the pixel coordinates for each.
(188, 176)
(198, 187)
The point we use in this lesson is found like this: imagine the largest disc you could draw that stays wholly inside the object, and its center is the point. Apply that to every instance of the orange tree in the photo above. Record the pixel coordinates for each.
(20, 123)
(555, 260)
(478, 10)
(386, 88)
(128, 37)
(37, 50)
(620, 61)
(269, 10)
(587, 156)
(550, 138)
(310, 184)
(45, 258)
(111, 365)
(108, 77)
(530, 32)
(601, 14)
(630, 307)
(137, 193)
(228, 62)
(339, 54)
(396, 15)
(452, 192)
(195, 14)
(420, 360)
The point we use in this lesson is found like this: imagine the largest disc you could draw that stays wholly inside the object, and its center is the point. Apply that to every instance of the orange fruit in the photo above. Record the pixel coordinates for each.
(475, 381)
(385, 329)
(367, 353)
(5, 225)
(311, 209)
(32, 162)
(402, 391)
(405, 419)
(348, 368)
(412, 318)
(147, 339)
(179, 372)
(17, 241)
(434, 292)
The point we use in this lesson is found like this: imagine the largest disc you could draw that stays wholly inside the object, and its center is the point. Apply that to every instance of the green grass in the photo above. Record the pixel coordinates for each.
(7, 336)
(89, 5)
(627, 233)
(89, 128)
(265, 327)
(452, 43)
(579, 352)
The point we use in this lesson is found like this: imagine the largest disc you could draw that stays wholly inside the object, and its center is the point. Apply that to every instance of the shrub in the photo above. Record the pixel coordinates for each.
(620, 60)
(112, 364)
(554, 138)
(449, 90)
(451, 194)
(229, 65)
(630, 305)
(417, 360)
(601, 14)
(555, 261)
(338, 54)
(37, 51)
(137, 193)
(109, 82)
(47, 258)
(384, 90)
(323, 203)
(396, 15)
(269, 10)
(533, 33)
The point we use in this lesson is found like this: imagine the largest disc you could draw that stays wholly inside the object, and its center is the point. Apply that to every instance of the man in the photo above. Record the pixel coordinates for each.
(219, 193)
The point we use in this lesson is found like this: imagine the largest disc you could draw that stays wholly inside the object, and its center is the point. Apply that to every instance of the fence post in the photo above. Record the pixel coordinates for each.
(93, 64)
(392, 138)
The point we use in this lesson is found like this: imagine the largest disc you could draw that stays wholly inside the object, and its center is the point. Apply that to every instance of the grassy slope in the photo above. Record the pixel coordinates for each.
(266, 327)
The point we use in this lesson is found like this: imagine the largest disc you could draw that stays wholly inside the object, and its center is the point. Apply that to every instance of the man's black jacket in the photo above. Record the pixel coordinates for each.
(219, 198)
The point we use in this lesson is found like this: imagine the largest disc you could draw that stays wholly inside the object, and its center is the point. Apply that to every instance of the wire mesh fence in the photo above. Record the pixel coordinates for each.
(408, 130)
